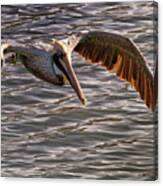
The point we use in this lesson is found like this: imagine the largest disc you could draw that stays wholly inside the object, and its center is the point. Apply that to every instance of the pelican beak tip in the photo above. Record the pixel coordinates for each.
(83, 101)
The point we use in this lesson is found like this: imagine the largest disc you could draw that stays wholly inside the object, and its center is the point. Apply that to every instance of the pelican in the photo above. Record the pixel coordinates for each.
(51, 61)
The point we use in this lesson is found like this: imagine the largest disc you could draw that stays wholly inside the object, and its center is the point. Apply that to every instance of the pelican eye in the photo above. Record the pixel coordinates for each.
(68, 42)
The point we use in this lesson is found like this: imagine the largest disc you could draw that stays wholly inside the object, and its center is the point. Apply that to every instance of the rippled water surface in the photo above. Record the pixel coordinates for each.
(45, 130)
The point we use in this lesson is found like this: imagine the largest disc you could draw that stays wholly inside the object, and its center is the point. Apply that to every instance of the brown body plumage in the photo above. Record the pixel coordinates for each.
(114, 52)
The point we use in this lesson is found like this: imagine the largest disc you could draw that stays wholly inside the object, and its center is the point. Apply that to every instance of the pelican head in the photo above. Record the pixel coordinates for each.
(3, 48)
(62, 59)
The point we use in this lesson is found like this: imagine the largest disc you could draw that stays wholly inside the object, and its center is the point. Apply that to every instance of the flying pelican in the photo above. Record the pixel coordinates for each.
(52, 63)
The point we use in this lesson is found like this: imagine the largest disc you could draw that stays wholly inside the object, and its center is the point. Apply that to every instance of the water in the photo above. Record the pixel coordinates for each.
(45, 130)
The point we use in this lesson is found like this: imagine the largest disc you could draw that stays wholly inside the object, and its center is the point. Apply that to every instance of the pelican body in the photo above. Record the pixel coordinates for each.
(39, 60)
(51, 61)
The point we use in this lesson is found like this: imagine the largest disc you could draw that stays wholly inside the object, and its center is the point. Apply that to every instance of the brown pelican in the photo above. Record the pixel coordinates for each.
(51, 61)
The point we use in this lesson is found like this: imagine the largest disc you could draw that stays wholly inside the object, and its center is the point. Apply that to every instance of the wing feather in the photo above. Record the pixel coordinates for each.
(120, 55)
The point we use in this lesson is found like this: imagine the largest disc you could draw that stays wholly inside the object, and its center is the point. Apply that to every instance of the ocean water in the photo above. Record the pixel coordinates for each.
(45, 131)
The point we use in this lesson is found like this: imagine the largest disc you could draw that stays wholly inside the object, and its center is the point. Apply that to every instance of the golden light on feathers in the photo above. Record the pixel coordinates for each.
(117, 53)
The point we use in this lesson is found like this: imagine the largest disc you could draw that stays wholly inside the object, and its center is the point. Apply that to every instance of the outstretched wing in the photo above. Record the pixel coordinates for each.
(120, 55)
